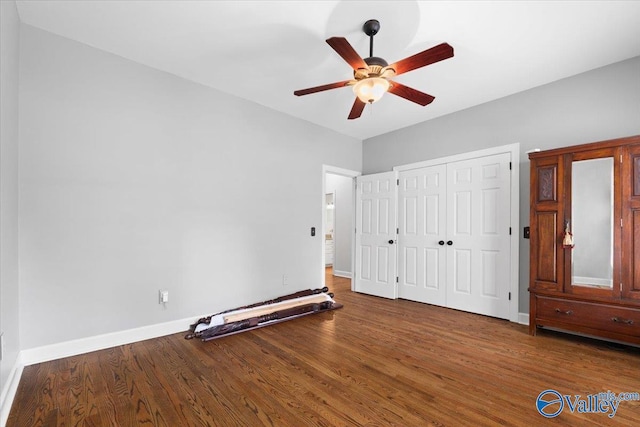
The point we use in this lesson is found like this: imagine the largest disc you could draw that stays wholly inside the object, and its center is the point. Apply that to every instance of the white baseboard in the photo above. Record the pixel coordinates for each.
(83, 345)
(9, 390)
(523, 318)
(100, 342)
(339, 273)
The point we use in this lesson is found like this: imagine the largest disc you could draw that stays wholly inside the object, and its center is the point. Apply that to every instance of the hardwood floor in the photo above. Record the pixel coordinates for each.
(375, 362)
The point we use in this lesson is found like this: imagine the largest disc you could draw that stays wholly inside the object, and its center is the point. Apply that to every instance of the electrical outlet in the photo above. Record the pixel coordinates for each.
(285, 280)
(164, 297)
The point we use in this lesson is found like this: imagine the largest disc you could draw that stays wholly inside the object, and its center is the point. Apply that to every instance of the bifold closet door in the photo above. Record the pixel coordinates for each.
(376, 238)
(422, 216)
(454, 242)
(478, 227)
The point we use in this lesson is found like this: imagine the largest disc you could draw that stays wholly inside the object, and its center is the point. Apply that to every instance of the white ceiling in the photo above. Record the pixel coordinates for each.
(264, 50)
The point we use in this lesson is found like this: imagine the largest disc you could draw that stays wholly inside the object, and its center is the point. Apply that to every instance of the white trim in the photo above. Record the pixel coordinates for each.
(340, 273)
(9, 390)
(99, 342)
(515, 230)
(340, 171)
(514, 151)
(523, 318)
(510, 148)
(349, 174)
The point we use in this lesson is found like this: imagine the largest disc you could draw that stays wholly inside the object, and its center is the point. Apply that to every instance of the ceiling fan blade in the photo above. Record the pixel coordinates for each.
(356, 110)
(347, 52)
(410, 94)
(321, 88)
(426, 57)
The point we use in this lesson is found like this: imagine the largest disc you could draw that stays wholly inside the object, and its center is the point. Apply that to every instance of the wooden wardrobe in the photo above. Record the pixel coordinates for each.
(585, 240)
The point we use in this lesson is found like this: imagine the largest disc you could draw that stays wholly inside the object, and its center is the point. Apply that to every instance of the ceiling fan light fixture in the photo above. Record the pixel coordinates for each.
(371, 89)
(371, 75)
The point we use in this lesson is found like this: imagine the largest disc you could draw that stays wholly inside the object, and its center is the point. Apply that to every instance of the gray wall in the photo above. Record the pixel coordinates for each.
(133, 180)
(593, 106)
(9, 124)
(342, 186)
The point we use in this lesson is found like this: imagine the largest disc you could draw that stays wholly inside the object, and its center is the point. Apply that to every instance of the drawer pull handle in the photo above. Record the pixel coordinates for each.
(618, 320)
(568, 312)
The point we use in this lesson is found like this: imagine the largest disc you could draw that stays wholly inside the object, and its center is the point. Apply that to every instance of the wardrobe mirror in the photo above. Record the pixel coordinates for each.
(592, 222)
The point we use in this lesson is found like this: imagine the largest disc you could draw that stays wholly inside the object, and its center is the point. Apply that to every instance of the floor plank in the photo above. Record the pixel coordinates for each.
(375, 362)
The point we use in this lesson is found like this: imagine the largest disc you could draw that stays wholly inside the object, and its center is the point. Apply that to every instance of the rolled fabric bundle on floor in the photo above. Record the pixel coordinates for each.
(247, 313)
(216, 319)
(260, 314)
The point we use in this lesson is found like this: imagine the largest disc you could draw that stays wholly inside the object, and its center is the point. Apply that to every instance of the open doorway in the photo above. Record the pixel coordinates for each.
(329, 226)
(338, 203)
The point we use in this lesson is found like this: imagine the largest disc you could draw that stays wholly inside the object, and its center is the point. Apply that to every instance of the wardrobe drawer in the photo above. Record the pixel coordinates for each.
(599, 316)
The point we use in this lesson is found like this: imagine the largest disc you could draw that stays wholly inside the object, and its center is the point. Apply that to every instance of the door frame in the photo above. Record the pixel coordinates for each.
(514, 150)
(334, 170)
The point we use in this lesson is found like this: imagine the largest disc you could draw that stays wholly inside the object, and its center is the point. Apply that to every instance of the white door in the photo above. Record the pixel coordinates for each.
(478, 241)
(376, 202)
(422, 218)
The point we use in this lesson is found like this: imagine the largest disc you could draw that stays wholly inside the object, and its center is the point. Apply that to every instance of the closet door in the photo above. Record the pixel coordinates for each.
(478, 242)
(422, 221)
(376, 249)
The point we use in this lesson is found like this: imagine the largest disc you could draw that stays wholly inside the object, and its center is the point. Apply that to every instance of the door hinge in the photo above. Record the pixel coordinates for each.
(510, 165)
(398, 181)
(621, 223)
(509, 231)
(397, 230)
(509, 296)
(620, 286)
(396, 279)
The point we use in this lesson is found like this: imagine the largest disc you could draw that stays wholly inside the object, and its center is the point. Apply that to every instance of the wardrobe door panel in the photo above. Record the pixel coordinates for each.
(546, 251)
(547, 262)
(631, 224)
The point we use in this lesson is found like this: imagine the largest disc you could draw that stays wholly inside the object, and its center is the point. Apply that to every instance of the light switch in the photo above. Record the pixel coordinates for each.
(164, 297)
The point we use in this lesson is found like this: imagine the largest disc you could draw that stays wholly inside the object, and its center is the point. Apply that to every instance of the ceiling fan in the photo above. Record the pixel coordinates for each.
(371, 76)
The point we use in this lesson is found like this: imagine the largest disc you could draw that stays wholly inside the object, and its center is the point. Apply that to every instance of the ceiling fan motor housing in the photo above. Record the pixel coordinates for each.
(376, 67)
(373, 61)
